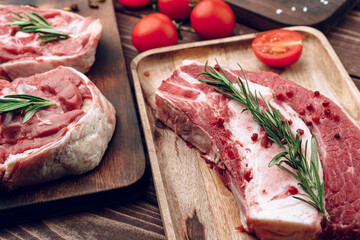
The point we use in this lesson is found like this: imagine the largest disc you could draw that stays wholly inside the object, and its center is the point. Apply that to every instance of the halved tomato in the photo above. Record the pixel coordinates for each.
(278, 48)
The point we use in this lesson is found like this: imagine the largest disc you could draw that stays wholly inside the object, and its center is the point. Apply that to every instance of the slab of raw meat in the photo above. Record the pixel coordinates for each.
(338, 139)
(222, 132)
(22, 55)
(67, 139)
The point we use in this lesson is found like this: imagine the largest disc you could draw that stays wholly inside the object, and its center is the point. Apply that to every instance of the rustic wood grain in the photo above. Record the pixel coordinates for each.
(123, 164)
(186, 188)
(140, 221)
(129, 213)
(263, 15)
(345, 38)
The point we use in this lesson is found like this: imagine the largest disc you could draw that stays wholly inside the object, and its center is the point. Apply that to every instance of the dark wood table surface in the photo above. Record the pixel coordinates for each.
(141, 219)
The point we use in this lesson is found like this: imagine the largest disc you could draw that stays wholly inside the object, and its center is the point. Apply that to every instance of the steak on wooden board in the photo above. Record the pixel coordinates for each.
(222, 133)
(68, 138)
(22, 55)
(340, 157)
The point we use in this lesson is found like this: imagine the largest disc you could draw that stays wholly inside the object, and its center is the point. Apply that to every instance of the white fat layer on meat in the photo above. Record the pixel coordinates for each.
(72, 154)
(6, 92)
(288, 113)
(87, 105)
(8, 119)
(188, 78)
(76, 27)
(47, 57)
(267, 199)
(45, 122)
(15, 40)
(274, 181)
(20, 34)
(23, 88)
(4, 18)
(201, 96)
(213, 155)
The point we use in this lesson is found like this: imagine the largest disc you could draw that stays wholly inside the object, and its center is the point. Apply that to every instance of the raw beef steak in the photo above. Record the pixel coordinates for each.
(338, 139)
(69, 138)
(225, 135)
(22, 55)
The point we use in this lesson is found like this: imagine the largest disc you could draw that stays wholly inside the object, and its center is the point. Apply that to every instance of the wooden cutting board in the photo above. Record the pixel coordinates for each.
(193, 201)
(120, 175)
(264, 15)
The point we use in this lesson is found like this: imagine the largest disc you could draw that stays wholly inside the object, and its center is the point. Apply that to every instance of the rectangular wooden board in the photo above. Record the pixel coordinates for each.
(123, 164)
(193, 200)
(265, 15)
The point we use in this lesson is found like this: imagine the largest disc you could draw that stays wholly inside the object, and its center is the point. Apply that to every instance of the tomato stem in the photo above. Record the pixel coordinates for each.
(193, 3)
(154, 4)
(178, 29)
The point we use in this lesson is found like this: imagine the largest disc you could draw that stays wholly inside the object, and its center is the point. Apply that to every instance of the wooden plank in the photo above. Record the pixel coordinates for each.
(123, 164)
(191, 197)
(345, 39)
(265, 15)
(109, 223)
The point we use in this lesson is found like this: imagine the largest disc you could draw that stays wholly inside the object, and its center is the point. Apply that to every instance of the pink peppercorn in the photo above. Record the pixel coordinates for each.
(254, 136)
(316, 118)
(280, 96)
(289, 94)
(301, 111)
(300, 131)
(325, 103)
(309, 106)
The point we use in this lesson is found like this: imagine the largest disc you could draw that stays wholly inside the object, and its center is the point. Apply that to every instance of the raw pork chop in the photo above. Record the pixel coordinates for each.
(217, 126)
(22, 55)
(338, 139)
(67, 139)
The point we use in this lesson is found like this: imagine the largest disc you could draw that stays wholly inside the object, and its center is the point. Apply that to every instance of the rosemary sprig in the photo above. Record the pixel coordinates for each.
(30, 106)
(38, 24)
(279, 132)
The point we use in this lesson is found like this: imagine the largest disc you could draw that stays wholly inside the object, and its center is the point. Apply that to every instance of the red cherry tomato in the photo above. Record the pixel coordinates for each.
(134, 3)
(212, 19)
(175, 9)
(153, 31)
(278, 48)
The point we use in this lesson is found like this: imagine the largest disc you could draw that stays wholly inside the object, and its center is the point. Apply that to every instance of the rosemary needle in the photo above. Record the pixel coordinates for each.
(38, 24)
(279, 132)
(30, 106)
